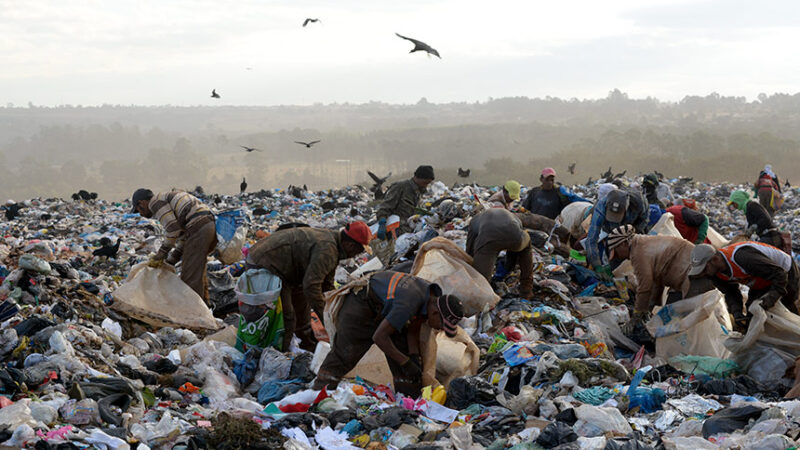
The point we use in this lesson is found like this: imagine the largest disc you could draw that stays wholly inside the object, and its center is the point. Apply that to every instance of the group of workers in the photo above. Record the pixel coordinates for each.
(389, 308)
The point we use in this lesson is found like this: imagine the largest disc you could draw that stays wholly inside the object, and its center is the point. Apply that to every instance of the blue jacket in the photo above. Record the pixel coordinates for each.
(637, 215)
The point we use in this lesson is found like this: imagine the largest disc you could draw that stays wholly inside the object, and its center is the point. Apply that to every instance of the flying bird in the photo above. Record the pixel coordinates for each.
(243, 186)
(571, 168)
(463, 173)
(420, 46)
(307, 144)
(306, 22)
(214, 94)
(377, 188)
(250, 149)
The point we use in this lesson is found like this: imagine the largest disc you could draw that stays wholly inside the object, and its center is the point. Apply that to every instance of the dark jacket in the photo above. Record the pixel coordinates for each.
(402, 199)
(757, 215)
(549, 203)
(305, 257)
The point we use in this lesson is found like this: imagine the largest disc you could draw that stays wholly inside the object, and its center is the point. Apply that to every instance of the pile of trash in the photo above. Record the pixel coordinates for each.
(99, 350)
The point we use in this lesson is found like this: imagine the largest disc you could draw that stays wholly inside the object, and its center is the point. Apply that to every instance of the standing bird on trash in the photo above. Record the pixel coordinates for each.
(106, 249)
(190, 233)
(420, 46)
(243, 186)
(12, 209)
(305, 259)
(308, 144)
(389, 312)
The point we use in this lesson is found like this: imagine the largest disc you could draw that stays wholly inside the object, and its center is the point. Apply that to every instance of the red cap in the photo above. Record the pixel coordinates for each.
(359, 232)
(690, 203)
(548, 171)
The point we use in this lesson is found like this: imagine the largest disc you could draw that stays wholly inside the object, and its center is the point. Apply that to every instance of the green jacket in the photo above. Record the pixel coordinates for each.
(402, 199)
(305, 257)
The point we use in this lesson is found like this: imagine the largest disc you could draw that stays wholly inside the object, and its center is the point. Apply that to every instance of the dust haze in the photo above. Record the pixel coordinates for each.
(111, 150)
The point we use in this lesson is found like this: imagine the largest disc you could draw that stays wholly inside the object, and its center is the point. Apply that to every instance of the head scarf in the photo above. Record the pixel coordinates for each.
(740, 199)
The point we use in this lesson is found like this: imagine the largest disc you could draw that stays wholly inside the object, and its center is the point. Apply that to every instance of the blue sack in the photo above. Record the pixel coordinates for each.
(275, 390)
(227, 222)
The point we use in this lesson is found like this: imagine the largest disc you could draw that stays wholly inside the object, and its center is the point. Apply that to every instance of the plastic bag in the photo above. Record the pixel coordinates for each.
(730, 419)
(231, 235)
(158, 297)
(771, 344)
(464, 391)
(595, 421)
(265, 332)
(442, 262)
(692, 326)
(258, 287)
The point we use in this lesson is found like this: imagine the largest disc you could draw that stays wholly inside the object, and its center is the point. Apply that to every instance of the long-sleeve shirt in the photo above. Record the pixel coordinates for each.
(757, 215)
(177, 211)
(756, 264)
(636, 215)
(301, 256)
(658, 262)
(402, 199)
(693, 225)
(549, 203)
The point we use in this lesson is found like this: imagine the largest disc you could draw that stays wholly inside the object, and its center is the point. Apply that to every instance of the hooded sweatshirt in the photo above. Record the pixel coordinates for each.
(756, 214)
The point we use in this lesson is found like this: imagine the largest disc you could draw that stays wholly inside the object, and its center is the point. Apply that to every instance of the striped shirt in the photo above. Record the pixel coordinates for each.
(177, 211)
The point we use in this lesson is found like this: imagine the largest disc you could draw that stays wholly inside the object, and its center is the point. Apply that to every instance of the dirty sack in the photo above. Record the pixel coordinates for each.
(442, 262)
(159, 297)
(694, 326)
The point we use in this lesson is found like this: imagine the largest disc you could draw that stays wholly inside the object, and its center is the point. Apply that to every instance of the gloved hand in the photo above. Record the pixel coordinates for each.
(605, 274)
(640, 317)
(768, 300)
(382, 229)
(155, 263)
(411, 369)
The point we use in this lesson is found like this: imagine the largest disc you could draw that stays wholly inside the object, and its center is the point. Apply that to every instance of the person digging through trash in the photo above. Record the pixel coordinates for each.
(402, 199)
(493, 231)
(768, 190)
(549, 198)
(506, 196)
(658, 262)
(190, 233)
(305, 259)
(389, 312)
(758, 219)
(618, 207)
(770, 273)
(691, 224)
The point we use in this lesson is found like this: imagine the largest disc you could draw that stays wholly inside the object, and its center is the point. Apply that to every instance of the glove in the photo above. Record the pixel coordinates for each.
(768, 300)
(155, 263)
(605, 274)
(638, 318)
(382, 229)
(411, 369)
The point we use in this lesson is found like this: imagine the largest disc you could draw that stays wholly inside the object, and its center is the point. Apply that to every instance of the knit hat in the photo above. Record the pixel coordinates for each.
(452, 311)
(513, 188)
(424, 173)
(740, 199)
(139, 195)
(619, 236)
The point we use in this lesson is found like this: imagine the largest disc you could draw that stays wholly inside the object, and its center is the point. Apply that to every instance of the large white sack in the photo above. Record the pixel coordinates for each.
(442, 262)
(160, 298)
(694, 326)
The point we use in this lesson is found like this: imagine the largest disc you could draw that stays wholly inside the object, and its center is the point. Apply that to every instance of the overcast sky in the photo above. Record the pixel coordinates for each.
(156, 52)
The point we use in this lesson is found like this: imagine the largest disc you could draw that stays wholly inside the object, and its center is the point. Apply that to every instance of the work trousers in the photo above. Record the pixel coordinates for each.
(201, 240)
(485, 258)
(297, 317)
(358, 318)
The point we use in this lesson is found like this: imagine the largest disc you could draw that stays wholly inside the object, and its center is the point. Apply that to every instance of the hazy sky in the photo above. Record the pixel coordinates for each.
(156, 52)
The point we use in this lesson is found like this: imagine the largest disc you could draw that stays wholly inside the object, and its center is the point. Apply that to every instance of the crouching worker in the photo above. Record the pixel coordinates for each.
(190, 233)
(389, 312)
(658, 262)
(305, 259)
(771, 274)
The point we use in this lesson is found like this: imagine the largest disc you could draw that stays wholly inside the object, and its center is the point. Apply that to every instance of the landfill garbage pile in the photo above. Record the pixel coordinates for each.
(89, 361)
